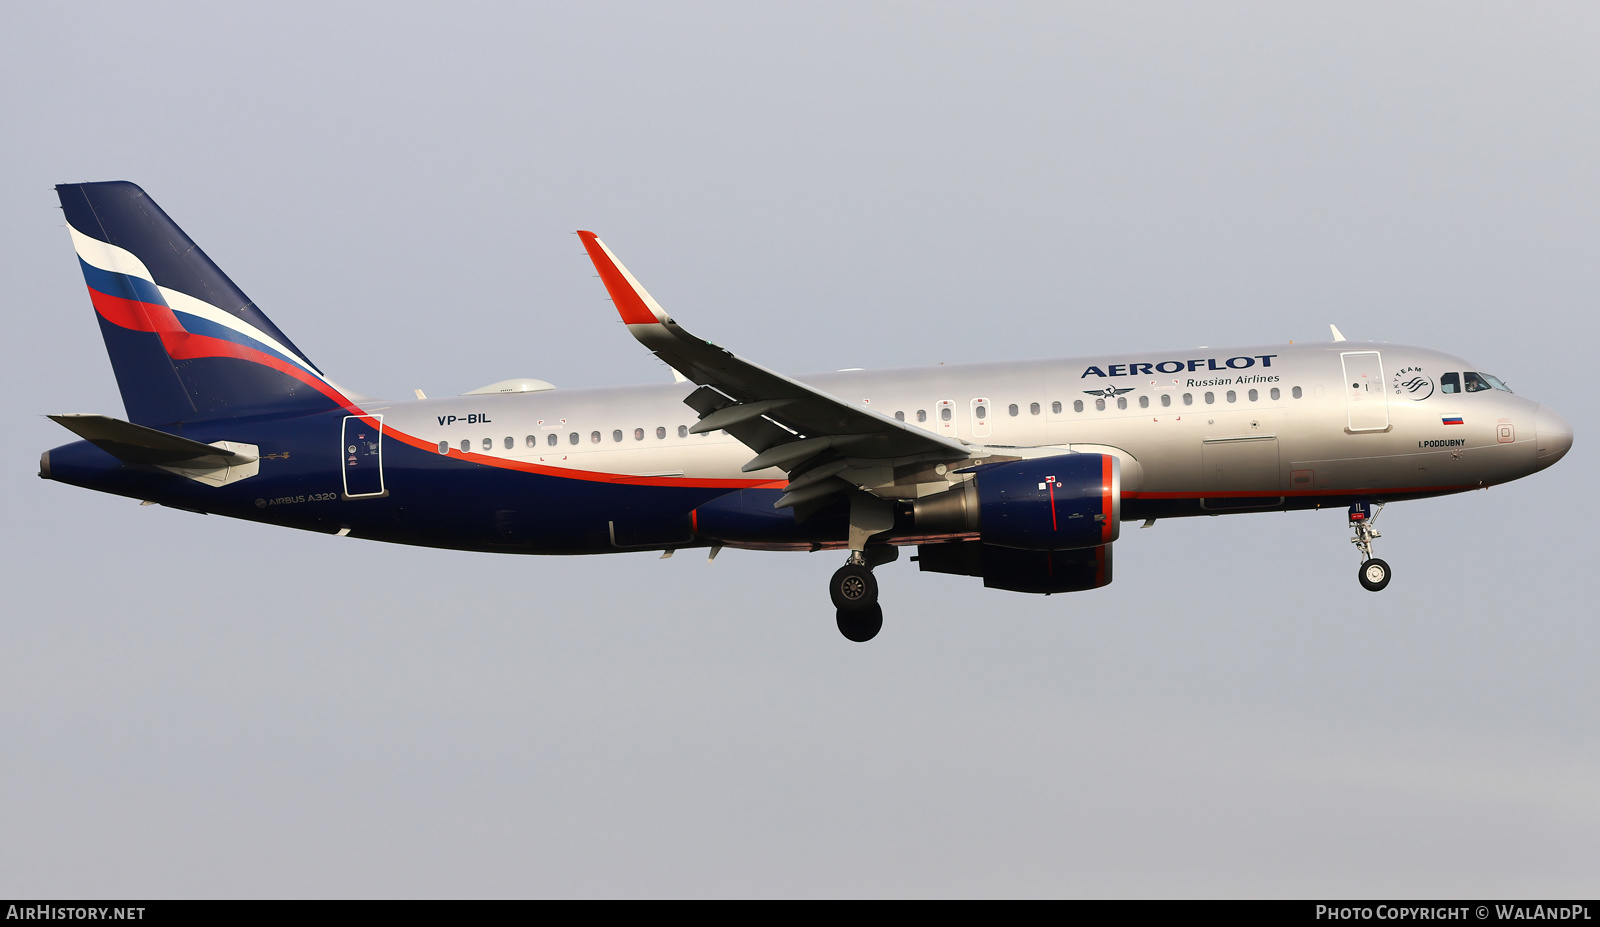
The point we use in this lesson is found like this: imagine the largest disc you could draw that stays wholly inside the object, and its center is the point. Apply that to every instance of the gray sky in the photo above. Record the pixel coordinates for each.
(196, 707)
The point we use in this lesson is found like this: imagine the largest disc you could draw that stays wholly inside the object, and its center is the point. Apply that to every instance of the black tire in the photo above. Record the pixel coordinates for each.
(861, 625)
(1374, 575)
(853, 588)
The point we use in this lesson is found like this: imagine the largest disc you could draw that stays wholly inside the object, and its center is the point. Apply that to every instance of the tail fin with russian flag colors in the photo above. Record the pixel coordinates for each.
(186, 344)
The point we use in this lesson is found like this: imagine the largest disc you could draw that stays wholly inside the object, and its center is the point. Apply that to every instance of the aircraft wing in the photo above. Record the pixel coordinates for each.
(818, 439)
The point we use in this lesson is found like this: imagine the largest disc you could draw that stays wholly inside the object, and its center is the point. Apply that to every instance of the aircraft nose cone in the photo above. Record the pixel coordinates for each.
(1552, 435)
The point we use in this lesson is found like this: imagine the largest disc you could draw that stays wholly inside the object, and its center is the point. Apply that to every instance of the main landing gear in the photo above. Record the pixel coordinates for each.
(854, 591)
(1374, 573)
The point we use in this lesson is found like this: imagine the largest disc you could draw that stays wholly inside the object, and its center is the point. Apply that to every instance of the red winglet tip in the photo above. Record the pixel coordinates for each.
(618, 284)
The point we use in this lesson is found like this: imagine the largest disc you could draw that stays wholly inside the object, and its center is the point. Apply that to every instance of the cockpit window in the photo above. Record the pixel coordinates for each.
(1450, 383)
(1495, 382)
(1475, 382)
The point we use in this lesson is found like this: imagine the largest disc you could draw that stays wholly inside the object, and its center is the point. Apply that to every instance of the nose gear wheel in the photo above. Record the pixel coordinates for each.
(1374, 575)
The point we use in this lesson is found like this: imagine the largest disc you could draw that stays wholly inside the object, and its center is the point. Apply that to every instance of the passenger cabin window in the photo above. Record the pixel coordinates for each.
(944, 414)
(922, 415)
(551, 440)
(1166, 400)
(1295, 392)
(1013, 410)
(1077, 405)
(1254, 395)
(533, 440)
(444, 447)
(1233, 396)
(1275, 394)
(1099, 405)
(638, 434)
(683, 431)
(1450, 383)
(594, 437)
(661, 433)
(511, 442)
(1055, 407)
(982, 412)
(616, 434)
(899, 416)
(1144, 402)
(1122, 402)
(488, 444)
(572, 438)
(1033, 408)
(466, 446)
(1188, 399)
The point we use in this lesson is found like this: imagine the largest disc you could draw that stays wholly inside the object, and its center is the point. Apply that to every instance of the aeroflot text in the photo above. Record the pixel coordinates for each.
(1175, 366)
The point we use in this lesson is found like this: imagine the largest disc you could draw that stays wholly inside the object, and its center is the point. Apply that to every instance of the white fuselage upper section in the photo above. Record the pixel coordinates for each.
(1346, 415)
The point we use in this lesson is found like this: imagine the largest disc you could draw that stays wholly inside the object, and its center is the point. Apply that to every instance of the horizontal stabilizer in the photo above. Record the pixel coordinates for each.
(137, 444)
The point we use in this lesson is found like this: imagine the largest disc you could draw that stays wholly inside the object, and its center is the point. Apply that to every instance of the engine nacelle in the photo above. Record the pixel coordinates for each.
(1066, 502)
(1036, 571)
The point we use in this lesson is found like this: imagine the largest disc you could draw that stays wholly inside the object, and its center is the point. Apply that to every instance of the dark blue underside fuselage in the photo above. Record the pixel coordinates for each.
(439, 501)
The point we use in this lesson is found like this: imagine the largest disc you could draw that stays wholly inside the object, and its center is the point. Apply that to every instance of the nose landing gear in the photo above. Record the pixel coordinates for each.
(1374, 573)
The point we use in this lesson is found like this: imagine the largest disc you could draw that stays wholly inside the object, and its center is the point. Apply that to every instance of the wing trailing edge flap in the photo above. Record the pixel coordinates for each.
(788, 424)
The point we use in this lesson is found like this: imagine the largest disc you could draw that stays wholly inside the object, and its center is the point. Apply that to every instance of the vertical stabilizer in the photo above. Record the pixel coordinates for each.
(185, 342)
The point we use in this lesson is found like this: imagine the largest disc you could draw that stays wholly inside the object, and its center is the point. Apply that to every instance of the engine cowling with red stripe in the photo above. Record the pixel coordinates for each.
(1067, 502)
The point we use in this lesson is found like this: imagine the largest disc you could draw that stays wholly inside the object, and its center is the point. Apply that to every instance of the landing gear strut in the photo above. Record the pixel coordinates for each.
(854, 589)
(1374, 573)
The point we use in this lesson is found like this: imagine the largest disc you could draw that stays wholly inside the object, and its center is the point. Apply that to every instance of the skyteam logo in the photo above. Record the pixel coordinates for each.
(1411, 383)
(1109, 392)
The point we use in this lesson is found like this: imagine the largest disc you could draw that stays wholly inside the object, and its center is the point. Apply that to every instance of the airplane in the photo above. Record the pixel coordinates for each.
(1019, 473)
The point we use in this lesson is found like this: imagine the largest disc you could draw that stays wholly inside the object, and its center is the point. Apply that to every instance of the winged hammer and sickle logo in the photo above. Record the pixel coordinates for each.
(1109, 392)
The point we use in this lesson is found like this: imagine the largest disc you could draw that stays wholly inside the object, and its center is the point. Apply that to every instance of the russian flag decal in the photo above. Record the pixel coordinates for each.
(1452, 420)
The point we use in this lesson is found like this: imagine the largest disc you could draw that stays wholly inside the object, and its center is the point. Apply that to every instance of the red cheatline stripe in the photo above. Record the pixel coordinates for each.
(629, 305)
(1296, 493)
(593, 476)
(1105, 497)
(181, 345)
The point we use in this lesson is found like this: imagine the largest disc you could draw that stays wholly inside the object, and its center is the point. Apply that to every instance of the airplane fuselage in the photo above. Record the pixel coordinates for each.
(1202, 431)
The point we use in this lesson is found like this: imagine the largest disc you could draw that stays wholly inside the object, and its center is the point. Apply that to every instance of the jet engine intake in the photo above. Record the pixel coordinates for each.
(1066, 502)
